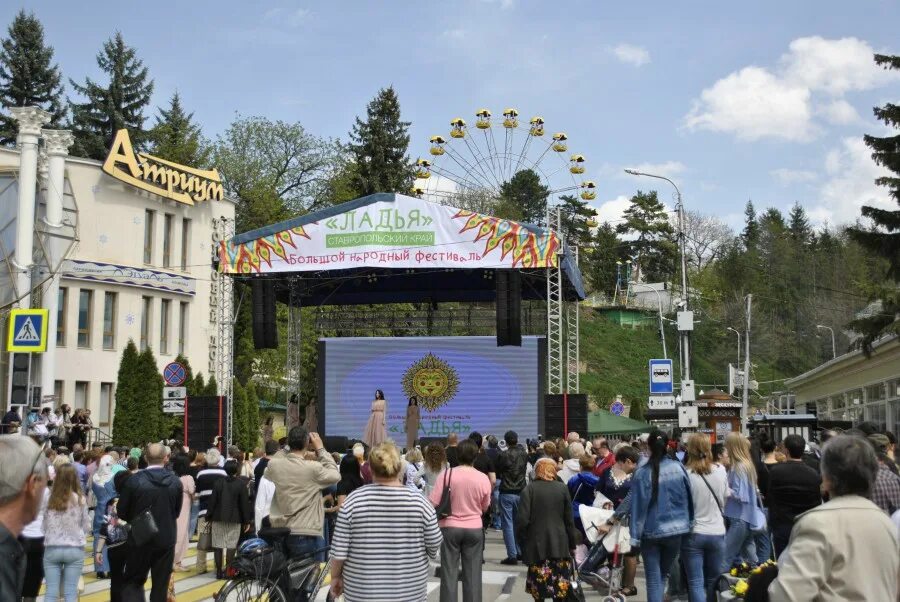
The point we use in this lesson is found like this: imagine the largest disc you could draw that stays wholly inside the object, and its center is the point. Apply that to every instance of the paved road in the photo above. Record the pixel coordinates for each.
(501, 582)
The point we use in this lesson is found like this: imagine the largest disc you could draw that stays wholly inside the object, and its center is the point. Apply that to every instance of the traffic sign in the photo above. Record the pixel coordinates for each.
(174, 392)
(661, 377)
(173, 406)
(27, 330)
(617, 407)
(661, 402)
(174, 374)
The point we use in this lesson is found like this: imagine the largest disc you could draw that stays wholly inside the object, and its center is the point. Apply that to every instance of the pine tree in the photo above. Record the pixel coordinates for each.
(882, 239)
(574, 216)
(27, 75)
(750, 235)
(212, 388)
(154, 422)
(798, 225)
(126, 420)
(177, 138)
(599, 263)
(199, 386)
(653, 245)
(120, 104)
(526, 195)
(378, 146)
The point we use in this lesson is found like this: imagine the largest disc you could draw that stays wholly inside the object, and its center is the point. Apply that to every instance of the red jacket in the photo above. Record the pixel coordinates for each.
(605, 464)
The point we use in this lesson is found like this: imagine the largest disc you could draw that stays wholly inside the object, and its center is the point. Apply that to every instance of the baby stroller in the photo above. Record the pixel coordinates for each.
(602, 568)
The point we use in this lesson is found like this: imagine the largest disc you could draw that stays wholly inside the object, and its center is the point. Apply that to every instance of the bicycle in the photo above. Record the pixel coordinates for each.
(268, 575)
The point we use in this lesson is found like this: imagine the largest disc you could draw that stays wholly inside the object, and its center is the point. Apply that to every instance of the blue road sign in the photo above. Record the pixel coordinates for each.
(617, 408)
(27, 331)
(661, 378)
(174, 374)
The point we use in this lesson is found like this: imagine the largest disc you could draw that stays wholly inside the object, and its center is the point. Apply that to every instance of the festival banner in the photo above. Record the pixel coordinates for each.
(401, 232)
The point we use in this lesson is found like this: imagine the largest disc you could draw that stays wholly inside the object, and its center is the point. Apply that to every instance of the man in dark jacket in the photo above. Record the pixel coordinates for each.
(511, 467)
(158, 490)
(793, 489)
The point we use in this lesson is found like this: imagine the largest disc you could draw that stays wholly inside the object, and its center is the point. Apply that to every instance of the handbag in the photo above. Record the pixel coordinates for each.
(204, 539)
(760, 520)
(143, 528)
(443, 509)
(575, 592)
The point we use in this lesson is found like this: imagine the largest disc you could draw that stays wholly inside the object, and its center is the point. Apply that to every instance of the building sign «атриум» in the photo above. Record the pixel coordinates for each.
(186, 185)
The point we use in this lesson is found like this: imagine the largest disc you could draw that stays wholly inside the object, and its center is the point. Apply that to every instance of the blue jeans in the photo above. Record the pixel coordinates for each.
(509, 505)
(304, 545)
(63, 564)
(495, 506)
(763, 541)
(659, 555)
(702, 558)
(192, 522)
(738, 543)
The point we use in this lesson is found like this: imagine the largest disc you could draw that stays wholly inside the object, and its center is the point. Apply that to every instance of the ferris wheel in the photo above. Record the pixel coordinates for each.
(468, 167)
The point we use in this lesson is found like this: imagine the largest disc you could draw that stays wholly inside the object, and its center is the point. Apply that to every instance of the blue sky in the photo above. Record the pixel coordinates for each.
(763, 100)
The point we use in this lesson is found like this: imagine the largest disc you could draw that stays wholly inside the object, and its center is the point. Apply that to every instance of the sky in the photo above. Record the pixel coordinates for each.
(764, 100)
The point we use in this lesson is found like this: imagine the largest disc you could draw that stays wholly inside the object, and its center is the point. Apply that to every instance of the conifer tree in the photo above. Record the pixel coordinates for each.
(598, 264)
(126, 420)
(750, 235)
(118, 104)
(177, 138)
(154, 423)
(378, 147)
(252, 412)
(28, 76)
(199, 385)
(189, 373)
(574, 216)
(212, 388)
(798, 225)
(882, 239)
(524, 198)
(653, 244)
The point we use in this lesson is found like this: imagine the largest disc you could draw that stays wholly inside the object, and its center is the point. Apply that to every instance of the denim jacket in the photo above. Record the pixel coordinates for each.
(673, 511)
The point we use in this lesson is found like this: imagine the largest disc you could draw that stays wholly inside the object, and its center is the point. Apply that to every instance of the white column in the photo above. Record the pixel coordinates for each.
(30, 121)
(56, 145)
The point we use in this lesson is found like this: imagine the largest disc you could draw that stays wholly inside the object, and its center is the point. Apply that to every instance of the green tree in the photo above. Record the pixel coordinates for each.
(239, 434)
(199, 386)
(598, 263)
(882, 237)
(189, 374)
(212, 388)
(798, 225)
(252, 414)
(647, 223)
(574, 220)
(28, 76)
(526, 195)
(750, 235)
(138, 418)
(177, 138)
(118, 104)
(378, 147)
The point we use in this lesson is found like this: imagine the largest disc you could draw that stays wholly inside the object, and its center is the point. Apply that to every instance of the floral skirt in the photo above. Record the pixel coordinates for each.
(549, 580)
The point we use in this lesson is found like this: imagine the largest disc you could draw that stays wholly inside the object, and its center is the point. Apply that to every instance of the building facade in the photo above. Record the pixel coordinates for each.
(853, 387)
(140, 268)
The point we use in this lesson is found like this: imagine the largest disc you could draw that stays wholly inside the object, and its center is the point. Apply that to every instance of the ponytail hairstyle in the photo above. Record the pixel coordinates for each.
(657, 442)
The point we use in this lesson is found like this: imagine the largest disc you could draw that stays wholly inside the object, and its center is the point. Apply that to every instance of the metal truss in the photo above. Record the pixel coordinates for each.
(224, 341)
(294, 364)
(572, 340)
(554, 312)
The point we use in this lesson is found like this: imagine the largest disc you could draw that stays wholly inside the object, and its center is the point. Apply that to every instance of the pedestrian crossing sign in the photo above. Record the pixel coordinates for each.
(27, 330)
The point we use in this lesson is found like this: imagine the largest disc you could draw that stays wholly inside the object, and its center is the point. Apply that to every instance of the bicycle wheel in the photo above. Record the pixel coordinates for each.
(251, 590)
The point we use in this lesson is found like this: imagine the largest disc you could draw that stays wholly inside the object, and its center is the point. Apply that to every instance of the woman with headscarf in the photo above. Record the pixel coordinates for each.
(104, 490)
(544, 522)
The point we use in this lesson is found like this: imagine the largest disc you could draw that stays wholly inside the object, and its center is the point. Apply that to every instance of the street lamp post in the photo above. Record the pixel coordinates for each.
(739, 344)
(831, 330)
(685, 334)
(662, 332)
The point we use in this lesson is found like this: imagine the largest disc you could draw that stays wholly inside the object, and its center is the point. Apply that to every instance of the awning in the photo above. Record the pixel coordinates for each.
(603, 422)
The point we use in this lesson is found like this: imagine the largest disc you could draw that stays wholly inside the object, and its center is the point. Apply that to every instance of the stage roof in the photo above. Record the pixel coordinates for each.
(392, 248)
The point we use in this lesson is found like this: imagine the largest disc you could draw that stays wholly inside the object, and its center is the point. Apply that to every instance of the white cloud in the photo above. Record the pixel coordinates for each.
(754, 104)
(612, 211)
(850, 184)
(787, 177)
(783, 102)
(668, 169)
(839, 112)
(504, 4)
(288, 17)
(631, 54)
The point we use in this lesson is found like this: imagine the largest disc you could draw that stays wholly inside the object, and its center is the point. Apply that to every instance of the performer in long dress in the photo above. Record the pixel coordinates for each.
(293, 412)
(376, 431)
(412, 422)
(311, 421)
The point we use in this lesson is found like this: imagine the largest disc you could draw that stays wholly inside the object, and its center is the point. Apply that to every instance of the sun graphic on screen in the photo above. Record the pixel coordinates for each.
(432, 380)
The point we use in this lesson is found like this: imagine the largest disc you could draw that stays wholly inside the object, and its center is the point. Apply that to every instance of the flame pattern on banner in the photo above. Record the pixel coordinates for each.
(528, 249)
(248, 257)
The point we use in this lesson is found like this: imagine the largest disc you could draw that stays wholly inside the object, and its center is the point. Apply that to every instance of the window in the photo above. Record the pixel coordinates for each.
(165, 304)
(109, 320)
(81, 394)
(149, 231)
(875, 392)
(182, 327)
(146, 309)
(168, 225)
(106, 399)
(61, 304)
(877, 413)
(58, 392)
(185, 243)
(85, 301)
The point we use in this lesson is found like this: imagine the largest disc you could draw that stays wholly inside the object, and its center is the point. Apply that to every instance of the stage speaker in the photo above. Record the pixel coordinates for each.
(204, 419)
(554, 423)
(265, 330)
(337, 444)
(509, 307)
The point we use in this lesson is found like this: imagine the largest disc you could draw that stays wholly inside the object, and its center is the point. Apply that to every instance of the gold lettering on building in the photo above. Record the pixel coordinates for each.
(180, 183)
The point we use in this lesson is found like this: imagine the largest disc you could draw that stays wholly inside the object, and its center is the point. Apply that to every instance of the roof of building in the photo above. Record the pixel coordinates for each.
(841, 359)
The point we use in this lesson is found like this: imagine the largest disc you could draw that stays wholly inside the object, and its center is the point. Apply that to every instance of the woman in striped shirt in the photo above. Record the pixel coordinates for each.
(380, 527)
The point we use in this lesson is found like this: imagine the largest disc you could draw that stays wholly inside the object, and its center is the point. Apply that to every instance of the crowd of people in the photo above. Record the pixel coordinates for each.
(691, 511)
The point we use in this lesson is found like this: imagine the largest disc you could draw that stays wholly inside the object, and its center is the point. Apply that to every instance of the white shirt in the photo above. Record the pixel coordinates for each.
(707, 514)
(265, 491)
